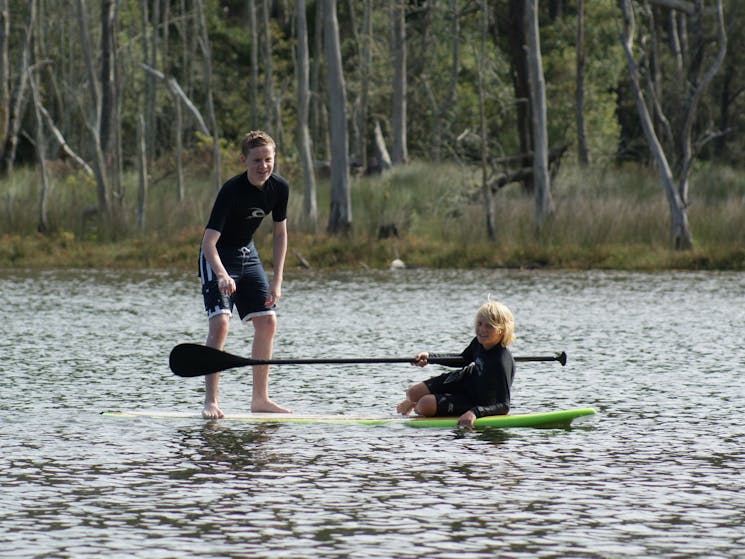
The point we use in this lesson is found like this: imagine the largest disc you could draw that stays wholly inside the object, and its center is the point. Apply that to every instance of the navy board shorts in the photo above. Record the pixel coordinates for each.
(252, 285)
(446, 390)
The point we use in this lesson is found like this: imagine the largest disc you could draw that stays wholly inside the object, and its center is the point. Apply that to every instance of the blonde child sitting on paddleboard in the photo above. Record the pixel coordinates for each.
(482, 387)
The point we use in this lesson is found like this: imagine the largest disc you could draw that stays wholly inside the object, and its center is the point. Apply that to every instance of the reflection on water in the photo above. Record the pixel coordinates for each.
(658, 473)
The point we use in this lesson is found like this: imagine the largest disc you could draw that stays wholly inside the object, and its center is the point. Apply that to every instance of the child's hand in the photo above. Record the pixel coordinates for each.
(421, 359)
(466, 420)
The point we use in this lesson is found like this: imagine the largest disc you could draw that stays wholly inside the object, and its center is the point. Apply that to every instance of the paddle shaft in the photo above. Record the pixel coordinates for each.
(193, 360)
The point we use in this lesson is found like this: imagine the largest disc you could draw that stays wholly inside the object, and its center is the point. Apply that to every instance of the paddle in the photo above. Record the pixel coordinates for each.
(193, 360)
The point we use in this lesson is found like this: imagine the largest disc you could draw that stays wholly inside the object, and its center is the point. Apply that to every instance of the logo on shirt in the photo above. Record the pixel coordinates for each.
(256, 213)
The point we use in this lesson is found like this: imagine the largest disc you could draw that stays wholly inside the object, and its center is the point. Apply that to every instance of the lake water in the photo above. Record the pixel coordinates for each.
(658, 472)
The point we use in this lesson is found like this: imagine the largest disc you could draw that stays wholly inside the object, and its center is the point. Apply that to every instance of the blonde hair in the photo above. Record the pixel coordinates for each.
(499, 316)
(254, 139)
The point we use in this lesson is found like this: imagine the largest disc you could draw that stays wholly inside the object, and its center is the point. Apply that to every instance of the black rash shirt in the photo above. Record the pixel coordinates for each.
(487, 378)
(240, 207)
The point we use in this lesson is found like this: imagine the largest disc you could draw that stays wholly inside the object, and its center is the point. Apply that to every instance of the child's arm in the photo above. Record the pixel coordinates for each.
(497, 408)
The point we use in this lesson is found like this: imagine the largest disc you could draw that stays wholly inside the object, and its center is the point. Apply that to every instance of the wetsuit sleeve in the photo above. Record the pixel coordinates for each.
(493, 386)
(498, 408)
(454, 359)
(447, 359)
(219, 212)
(279, 211)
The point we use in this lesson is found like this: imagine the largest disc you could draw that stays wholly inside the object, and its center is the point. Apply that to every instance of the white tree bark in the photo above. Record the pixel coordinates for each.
(488, 195)
(4, 69)
(302, 73)
(544, 205)
(340, 213)
(43, 224)
(17, 99)
(142, 175)
(674, 183)
(103, 188)
(204, 42)
(399, 149)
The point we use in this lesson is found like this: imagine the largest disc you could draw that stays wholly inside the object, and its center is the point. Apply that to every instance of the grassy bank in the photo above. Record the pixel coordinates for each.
(605, 219)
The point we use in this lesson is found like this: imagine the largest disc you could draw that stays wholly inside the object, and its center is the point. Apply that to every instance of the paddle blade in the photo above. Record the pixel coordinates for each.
(194, 360)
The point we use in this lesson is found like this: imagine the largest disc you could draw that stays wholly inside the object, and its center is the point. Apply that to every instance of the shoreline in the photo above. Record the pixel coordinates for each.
(338, 253)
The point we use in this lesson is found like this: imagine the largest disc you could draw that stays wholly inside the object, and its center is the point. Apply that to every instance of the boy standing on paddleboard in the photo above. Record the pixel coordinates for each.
(231, 271)
(480, 388)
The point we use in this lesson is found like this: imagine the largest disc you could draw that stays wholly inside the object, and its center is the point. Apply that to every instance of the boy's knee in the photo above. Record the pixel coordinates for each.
(266, 324)
(427, 405)
(218, 326)
(416, 391)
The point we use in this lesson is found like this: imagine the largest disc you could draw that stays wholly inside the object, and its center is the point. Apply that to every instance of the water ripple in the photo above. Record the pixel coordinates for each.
(658, 473)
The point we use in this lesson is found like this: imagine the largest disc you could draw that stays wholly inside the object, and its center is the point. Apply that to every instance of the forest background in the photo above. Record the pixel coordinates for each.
(442, 133)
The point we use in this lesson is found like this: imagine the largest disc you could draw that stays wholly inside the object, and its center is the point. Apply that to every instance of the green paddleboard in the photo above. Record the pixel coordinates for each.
(545, 420)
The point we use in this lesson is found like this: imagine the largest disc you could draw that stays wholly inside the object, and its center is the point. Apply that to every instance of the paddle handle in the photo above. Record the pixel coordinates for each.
(193, 360)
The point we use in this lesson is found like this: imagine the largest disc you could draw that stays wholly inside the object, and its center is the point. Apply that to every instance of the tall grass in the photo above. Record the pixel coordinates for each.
(605, 217)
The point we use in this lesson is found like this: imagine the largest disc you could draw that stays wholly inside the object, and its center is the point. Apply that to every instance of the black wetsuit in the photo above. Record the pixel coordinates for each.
(482, 386)
(237, 213)
(240, 207)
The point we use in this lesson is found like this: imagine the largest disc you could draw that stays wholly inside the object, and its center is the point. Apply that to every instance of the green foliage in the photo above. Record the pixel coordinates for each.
(433, 204)
(605, 217)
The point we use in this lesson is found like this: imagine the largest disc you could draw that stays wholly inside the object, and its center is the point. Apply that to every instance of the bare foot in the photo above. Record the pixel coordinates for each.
(405, 407)
(212, 411)
(267, 406)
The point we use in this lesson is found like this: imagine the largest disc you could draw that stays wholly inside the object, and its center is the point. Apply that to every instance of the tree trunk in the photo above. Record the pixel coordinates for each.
(207, 54)
(103, 188)
(365, 69)
(488, 196)
(381, 152)
(519, 70)
(440, 110)
(362, 39)
(399, 154)
(107, 75)
(582, 153)
(317, 131)
(302, 72)
(253, 93)
(178, 133)
(340, 213)
(269, 122)
(141, 172)
(4, 72)
(40, 138)
(544, 206)
(110, 132)
(674, 177)
(150, 57)
(18, 95)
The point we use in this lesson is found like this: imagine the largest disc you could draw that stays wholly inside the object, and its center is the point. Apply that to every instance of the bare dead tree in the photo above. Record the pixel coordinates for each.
(269, 120)
(103, 189)
(4, 70)
(253, 83)
(204, 44)
(340, 213)
(41, 157)
(302, 71)
(142, 175)
(583, 155)
(399, 149)
(544, 205)
(674, 164)
(488, 195)
(18, 94)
